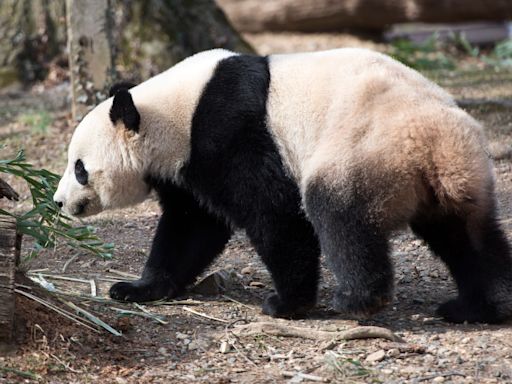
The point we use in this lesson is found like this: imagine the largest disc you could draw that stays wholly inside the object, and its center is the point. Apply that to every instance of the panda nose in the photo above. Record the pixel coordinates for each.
(59, 203)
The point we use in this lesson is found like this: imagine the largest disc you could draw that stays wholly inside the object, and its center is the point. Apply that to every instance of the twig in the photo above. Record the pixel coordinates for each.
(64, 364)
(54, 308)
(430, 377)
(94, 290)
(92, 318)
(238, 351)
(67, 263)
(177, 302)
(205, 315)
(113, 279)
(305, 376)
(236, 301)
(123, 274)
(154, 316)
(137, 313)
(276, 329)
(229, 333)
(59, 277)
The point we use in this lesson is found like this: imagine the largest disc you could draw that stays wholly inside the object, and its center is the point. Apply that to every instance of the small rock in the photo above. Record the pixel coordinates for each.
(181, 336)
(225, 347)
(193, 345)
(162, 351)
(438, 379)
(393, 352)
(256, 284)
(386, 371)
(247, 271)
(434, 273)
(120, 380)
(428, 359)
(376, 356)
(215, 283)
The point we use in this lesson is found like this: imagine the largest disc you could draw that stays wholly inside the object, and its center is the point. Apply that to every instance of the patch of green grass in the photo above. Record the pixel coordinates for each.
(22, 374)
(501, 56)
(421, 56)
(435, 55)
(37, 121)
(349, 370)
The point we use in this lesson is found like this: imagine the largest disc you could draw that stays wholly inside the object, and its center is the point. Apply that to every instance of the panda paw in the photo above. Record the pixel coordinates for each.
(140, 291)
(360, 306)
(459, 311)
(275, 307)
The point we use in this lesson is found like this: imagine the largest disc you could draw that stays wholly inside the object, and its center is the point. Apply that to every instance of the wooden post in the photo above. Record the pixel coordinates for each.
(90, 53)
(10, 242)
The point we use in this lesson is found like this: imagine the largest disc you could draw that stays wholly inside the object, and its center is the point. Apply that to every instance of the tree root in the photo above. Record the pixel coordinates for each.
(276, 329)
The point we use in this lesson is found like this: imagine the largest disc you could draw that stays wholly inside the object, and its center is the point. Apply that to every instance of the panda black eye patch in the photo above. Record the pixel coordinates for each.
(80, 172)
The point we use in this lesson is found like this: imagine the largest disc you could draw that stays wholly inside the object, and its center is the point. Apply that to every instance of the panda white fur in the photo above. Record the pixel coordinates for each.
(310, 153)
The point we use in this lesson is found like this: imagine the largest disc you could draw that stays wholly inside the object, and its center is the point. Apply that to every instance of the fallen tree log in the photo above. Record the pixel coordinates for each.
(336, 15)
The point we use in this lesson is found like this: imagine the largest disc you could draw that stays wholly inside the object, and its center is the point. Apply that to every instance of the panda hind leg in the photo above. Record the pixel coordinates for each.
(287, 244)
(356, 249)
(477, 253)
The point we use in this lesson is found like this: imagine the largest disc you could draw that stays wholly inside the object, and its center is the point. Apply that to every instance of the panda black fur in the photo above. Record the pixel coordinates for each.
(250, 161)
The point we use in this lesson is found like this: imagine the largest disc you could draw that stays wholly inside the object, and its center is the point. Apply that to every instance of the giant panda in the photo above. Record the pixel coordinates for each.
(310, 153)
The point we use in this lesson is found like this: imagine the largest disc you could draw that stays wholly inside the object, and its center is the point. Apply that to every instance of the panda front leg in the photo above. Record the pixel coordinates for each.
(355, 247)
(187, 240)
(289, 248)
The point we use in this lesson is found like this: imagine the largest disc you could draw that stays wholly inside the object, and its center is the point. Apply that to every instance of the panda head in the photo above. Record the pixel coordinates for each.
(105, 164)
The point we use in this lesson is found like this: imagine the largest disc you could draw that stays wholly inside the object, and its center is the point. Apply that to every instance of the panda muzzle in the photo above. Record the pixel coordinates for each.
(80, 208)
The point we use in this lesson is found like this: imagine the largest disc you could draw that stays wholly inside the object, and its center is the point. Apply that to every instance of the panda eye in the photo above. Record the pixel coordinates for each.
(80, 172)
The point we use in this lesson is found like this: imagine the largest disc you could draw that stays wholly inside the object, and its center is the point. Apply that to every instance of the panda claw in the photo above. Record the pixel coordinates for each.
(140, 291)
(360, 307)
(460, 311)
(275, 307)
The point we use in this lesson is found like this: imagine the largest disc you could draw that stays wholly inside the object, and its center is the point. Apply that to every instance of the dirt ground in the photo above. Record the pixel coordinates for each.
(195, 339)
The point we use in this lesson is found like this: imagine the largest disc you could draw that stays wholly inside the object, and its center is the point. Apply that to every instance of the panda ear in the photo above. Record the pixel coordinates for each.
(124, 109)
(118, 86)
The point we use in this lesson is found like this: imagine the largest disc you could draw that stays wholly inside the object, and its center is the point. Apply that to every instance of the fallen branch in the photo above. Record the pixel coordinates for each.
(276, 329)
(304, 376)
(204, 315)
(431, 377)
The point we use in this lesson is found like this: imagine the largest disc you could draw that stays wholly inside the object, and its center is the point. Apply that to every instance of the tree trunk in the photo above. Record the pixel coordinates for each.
(153, 35)
(90, 53)
(32, 34)
(10, 243)
(336, 15)
(147, 37)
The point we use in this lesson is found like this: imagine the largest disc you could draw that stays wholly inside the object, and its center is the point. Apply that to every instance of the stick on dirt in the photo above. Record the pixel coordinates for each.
(276, 329)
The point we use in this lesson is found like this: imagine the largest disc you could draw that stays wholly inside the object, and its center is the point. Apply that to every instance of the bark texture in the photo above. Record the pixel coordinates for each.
(32, 33)
(336, 15)
(9, 254)
(147, 36)
(153, 35)
(91, 60)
